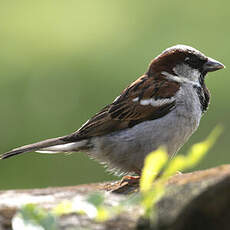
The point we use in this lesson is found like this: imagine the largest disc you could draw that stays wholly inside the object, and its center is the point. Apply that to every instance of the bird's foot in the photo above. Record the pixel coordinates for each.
(130, 180)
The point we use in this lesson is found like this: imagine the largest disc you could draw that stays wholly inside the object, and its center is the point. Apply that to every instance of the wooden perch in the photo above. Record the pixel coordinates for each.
(197, 200)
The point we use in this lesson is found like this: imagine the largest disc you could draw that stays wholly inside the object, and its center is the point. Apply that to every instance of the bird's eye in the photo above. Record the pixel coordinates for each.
(186, 59)
(192, 61)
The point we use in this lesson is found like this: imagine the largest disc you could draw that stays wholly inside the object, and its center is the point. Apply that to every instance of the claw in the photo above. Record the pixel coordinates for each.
(130, 180)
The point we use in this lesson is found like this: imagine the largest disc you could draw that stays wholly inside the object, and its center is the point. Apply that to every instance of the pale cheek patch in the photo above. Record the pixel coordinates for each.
(179, 79)
(173, 77)
(185, 71)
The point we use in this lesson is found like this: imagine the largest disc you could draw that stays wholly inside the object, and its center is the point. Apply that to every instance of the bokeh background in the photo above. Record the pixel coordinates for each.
(62, 61)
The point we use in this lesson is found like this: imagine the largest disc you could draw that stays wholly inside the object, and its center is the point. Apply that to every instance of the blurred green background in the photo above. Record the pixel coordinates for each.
(62, 61)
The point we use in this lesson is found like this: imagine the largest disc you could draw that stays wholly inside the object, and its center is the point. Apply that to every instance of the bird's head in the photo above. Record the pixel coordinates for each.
(184, 62)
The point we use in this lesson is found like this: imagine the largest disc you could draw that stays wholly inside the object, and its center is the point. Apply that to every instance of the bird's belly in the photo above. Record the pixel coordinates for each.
(126, 149)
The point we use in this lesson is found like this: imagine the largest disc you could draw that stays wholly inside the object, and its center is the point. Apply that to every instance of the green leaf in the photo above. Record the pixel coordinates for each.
(194, 155)
(198, 151)
(151, 197)
(155, 161)
(35, 217)
(96, 199)
(152, 167)
(64, 207)
(102, 214)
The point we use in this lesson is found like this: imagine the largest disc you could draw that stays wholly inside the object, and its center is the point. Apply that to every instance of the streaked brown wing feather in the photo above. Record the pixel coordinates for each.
(124, 112)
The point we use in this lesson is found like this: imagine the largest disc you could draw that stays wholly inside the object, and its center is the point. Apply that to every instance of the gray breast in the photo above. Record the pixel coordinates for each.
(125, 150)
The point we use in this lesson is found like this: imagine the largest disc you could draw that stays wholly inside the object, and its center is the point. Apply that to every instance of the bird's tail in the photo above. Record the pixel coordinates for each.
(54, 145)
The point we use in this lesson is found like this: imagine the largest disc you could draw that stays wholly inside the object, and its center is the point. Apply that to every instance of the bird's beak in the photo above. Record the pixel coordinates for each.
(212, 65)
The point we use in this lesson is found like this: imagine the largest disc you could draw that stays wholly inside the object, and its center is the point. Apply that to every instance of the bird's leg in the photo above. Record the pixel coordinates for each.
(131, 179)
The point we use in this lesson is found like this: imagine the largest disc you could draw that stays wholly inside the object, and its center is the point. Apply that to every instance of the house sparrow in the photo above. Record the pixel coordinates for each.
(161, 108)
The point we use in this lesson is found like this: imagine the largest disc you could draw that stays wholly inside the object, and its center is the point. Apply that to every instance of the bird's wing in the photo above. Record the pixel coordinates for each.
(145, 99)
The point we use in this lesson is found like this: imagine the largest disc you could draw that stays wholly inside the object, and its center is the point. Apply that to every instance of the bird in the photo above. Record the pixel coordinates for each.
(163, 107)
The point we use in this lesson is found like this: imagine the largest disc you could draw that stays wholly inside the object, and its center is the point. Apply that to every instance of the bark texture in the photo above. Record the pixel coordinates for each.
(197, 200)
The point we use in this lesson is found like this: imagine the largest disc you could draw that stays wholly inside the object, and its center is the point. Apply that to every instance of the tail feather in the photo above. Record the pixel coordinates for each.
(34, 147)
(65, 148)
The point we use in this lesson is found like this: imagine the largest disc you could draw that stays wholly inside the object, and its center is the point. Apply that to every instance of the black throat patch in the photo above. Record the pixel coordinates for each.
(203, 95)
